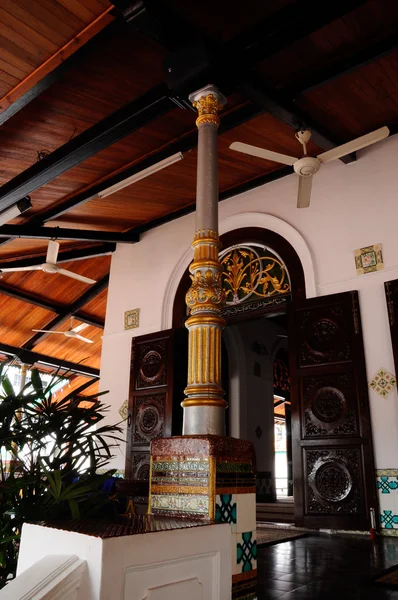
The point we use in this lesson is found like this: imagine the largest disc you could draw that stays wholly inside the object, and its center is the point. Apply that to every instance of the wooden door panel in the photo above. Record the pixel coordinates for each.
(157, 380)
(150, 419)
(391, 290)
(334, 477)
(329, 406)
(324, 335)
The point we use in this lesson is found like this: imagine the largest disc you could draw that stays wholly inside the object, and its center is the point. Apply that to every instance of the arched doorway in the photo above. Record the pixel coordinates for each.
(331, 438)
(262, 276)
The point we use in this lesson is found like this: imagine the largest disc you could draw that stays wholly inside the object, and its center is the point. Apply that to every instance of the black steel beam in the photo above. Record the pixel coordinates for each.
(343, 66)
(70, 311)
(286, 26)
(291, 115)
(95, 44)
(110, 130)
(30, 358)
(66, 256)
(23, 296)
(59, 233)
(187, 142)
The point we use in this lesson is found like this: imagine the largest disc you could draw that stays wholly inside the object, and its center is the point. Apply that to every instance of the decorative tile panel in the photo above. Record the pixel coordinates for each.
(226, 510)
(124, 410)
(388, 520)
(383, 383)
(368, 259)
(132, 318)
(191, 504)
(246, 548)
(387, 487)
(244, 586)
(387, 484)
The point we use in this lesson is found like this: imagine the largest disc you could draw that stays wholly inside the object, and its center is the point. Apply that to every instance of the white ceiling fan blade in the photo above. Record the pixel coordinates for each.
(52, 252)
(304, 191)
(84, 339)
(75, 276)
(262, 153)
(80, 327)
(48, 331)
(357, 144)
(15, 269)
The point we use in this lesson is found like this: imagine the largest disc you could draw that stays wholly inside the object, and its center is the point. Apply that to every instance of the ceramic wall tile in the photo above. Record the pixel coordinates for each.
(234, 554)
(246, 547)
(387, 487)
(246, 513)
(226, 510)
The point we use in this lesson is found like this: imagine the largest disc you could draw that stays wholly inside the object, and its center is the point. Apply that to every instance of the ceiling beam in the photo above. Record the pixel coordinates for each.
(289, 24)
(95, 44)
(70, 311)
(30, 358)
(66, 256)
(292, 115)
(29, 298)
(229, 120)
(343, 66)
(106, 132)
(59, 233)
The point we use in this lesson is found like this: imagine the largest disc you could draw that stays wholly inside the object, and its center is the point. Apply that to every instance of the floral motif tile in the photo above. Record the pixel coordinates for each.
(383, 383)
(124, 410)
(387, 484)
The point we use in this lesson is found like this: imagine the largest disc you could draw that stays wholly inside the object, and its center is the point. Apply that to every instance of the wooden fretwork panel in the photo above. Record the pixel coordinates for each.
(334, 477)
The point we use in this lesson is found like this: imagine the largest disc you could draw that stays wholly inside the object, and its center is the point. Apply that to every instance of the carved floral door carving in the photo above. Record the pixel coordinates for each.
(334, 472)
(158, 373)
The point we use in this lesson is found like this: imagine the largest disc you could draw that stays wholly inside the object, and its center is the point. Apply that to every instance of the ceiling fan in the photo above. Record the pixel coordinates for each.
(307, 166)
(73, 332)
(50, 265)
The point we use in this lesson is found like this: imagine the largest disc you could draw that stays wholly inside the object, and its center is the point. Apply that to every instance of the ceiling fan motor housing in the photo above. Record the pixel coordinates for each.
(307, 166)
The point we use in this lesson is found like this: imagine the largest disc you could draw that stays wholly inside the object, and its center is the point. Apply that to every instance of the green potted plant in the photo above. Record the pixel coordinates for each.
(50, 454)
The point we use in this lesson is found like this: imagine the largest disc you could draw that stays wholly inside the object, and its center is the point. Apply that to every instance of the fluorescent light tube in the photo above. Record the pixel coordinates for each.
(15, 210)
(141, 175)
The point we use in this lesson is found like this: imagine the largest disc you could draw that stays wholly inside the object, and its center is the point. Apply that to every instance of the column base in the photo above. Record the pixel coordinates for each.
(204, 419)
(213, 478)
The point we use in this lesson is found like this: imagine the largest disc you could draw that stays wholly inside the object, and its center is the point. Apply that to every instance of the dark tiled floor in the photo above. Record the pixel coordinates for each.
(326, 567)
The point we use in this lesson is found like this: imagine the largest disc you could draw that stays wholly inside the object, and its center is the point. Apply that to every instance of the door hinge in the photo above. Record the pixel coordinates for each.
(390, 304)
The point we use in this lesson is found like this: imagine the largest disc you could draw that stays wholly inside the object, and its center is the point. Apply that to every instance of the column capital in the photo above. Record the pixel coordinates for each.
(209, 102)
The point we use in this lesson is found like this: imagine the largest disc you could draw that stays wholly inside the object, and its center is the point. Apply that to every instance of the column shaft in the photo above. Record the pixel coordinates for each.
(204, 406)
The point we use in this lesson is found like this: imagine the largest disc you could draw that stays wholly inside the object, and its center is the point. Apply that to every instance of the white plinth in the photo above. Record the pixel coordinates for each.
(192, 563)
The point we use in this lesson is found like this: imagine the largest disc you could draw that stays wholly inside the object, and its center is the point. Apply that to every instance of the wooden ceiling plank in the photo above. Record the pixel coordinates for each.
(27, 31)
(19, 12)
(72, 53)
(116, 126)
(91, 293)
(30, 358)
(35, 300)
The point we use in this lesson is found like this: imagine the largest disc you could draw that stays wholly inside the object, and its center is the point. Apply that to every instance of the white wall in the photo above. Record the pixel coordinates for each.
(352, 206)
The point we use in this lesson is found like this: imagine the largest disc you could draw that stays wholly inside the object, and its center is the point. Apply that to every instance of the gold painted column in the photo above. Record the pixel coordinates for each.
(204, 406)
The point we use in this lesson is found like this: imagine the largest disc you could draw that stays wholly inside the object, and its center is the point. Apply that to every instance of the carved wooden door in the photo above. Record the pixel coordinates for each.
(334, 476)
(391, 289)
(158, 374)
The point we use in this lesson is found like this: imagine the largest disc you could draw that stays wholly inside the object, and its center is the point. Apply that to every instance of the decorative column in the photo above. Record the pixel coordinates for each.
(204, 406)
(203, 474)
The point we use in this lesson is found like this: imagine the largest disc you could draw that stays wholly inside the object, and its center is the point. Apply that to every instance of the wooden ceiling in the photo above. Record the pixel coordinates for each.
(85, 103)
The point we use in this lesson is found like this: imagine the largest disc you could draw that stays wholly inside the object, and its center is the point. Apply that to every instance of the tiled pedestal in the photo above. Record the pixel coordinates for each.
(211, 477)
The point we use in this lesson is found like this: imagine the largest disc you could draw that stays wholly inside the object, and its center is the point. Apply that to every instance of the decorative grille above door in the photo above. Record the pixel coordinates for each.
(254, 276)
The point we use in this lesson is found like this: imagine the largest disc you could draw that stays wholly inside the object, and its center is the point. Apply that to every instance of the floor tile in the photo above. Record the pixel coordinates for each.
(326, 567)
